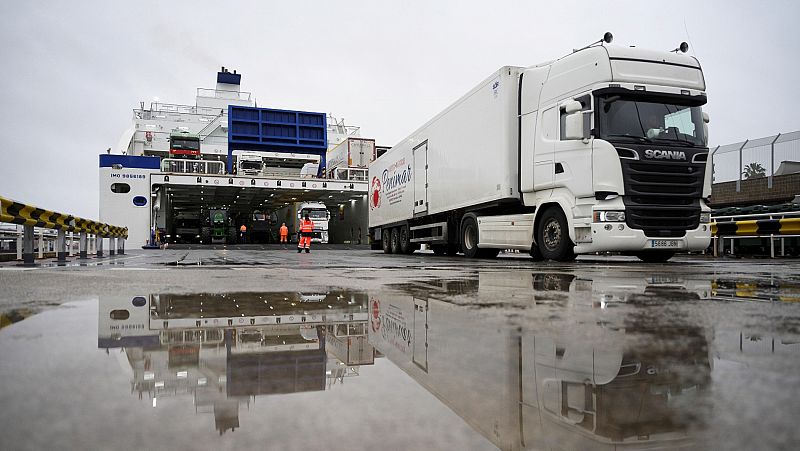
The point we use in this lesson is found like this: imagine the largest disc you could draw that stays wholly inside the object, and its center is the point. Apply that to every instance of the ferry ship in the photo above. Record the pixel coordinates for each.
(197, 173)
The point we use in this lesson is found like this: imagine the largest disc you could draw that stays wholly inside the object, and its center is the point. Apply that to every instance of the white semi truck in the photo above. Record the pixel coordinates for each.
(320, 215)
(604, 149)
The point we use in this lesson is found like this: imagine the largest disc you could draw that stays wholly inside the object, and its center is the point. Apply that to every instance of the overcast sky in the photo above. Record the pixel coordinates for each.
(73, 71)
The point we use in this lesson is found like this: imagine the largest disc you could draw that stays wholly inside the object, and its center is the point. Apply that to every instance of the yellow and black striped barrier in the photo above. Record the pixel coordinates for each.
(30, 216)
(756, 227)
(23, 214)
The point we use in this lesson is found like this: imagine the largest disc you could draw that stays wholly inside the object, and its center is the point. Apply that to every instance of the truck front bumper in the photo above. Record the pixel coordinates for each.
(621, 238)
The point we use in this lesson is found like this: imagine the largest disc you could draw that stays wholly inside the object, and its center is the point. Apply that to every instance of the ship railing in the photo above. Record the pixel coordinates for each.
(31, 218)
(170, 110)
(349, 173)
(192, 166)
(222, 94)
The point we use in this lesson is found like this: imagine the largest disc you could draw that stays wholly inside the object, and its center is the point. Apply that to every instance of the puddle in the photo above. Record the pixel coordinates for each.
(509, 359)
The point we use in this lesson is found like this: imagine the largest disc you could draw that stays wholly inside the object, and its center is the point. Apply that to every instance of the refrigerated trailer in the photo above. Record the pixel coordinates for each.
(604, 149)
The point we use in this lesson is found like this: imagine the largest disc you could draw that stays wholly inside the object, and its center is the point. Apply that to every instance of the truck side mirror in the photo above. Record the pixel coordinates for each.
(705, 127)
(573, 123)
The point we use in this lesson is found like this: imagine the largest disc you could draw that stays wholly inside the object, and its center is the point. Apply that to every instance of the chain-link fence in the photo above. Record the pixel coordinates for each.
(763, 157)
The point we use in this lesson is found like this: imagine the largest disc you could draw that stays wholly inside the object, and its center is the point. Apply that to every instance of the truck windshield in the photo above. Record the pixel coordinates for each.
(181, 143)
(316, 214)
(637, 120)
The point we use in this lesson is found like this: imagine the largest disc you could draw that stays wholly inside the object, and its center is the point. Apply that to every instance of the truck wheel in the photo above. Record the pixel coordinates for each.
(438, 249)
(553, 236)
(395, 240)
(470, 239)
(406, 247)
(654, 256)
(386, 239)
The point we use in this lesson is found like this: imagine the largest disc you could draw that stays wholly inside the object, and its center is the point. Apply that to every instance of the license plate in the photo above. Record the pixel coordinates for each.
(664, 244)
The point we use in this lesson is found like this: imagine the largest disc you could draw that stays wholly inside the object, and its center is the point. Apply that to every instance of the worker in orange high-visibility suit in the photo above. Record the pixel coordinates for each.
(306, 229)
(284, 234)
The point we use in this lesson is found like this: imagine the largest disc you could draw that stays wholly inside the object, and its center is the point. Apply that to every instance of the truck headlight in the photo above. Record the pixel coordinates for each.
(609, 216)
(705, 217)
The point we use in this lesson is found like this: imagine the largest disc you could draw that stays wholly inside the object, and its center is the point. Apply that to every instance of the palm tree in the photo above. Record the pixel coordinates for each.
(754, 171)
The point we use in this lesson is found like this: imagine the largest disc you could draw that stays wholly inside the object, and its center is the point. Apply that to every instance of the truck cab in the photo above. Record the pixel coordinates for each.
(184, 145)
(616, 139)
(249, 164)
(320, 215)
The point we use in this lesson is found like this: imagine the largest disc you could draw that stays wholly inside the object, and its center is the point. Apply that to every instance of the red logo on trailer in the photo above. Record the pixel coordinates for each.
(375, 189)
(375, 319)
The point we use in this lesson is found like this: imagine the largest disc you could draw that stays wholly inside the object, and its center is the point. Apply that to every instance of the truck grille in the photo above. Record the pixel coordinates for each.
(662, 198)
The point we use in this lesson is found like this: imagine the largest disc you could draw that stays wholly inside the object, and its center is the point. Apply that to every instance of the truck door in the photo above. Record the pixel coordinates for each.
(572, 159)
(543, 164)
(420, 345)
(421, 178)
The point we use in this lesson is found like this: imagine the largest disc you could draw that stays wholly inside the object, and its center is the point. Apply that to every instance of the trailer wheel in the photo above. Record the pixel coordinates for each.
(654, 256)
(386, 241)
(553, 236)
(469, 236)
(406, 246)
(395, 240)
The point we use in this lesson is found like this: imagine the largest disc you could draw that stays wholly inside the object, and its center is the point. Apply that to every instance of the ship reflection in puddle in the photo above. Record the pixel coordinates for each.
(221, 351)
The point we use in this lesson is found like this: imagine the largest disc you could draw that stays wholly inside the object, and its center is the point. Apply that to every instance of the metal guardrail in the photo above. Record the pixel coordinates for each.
(30, 217)
(763, 227)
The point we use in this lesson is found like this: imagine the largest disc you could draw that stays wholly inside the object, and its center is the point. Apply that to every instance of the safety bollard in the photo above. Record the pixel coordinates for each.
(41, 243)
(61, 247)
(82, 244)
(92, 244)
(112, 243)
(121, 246)
(99, 245)
(70, 248)
(771, 246)
(27, 246)
(19, 243)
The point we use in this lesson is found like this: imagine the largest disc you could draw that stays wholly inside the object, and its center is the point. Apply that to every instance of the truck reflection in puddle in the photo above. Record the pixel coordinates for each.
(597, 378)
(223, 350)
(525, 289)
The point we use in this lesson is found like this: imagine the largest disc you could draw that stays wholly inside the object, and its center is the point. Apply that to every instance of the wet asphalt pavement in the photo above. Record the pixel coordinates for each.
(346, 348)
